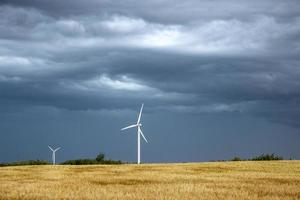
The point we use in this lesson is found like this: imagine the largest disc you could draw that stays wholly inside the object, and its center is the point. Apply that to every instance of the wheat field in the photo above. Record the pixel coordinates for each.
(212, 180)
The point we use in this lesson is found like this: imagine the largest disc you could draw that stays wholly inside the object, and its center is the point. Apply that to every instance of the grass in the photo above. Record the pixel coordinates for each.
(215, 180)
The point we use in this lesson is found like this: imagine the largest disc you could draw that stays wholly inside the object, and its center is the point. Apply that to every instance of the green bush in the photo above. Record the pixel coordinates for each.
(236, 159)
(258, 158)
(80, 162)
(26, 162)
(100, 159)
(267, 157)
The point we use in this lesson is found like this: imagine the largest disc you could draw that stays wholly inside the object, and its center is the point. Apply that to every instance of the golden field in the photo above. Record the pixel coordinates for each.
(213, 180)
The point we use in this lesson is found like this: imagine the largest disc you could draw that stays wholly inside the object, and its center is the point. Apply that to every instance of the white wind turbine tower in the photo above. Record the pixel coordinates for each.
(53, 154)
(139, 133)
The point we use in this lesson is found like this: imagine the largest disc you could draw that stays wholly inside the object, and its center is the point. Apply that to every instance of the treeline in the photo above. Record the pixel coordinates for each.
(260, 158)
(100, 159)
(26, 162)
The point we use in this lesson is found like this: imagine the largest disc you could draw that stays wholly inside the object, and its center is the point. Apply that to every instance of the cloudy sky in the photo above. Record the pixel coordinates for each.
(218, 78)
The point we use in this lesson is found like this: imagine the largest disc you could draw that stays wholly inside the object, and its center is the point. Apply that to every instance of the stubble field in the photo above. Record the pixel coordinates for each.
(214, 180)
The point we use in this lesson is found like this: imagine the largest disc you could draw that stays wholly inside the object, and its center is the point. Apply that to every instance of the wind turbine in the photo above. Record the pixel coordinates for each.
(139, 133)
(53, 154)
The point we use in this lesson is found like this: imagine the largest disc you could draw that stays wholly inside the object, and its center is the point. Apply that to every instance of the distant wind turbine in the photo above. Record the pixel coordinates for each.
(139, 133)
(53, 154)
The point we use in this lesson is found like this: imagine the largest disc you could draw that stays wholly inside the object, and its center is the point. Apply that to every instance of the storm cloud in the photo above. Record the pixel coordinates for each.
(183, 57)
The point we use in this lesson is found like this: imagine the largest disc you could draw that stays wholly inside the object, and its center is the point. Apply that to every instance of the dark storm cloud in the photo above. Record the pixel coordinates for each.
(167, 11)
(208, 57)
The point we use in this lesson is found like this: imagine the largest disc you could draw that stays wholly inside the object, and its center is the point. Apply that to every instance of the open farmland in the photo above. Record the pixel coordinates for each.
(214, 180)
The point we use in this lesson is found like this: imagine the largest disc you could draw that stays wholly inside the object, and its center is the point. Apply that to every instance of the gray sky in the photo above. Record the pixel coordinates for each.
(218, 78)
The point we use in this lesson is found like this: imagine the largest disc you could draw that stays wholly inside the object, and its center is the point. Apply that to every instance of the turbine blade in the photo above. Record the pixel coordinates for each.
(139, 119)
(143, 135)
(131, 126)
(50, 148)
(57, 149)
